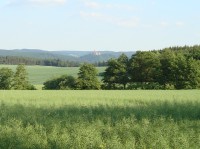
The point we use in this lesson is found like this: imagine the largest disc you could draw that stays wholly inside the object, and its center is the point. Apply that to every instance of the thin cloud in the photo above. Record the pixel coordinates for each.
(103, 11)
(93, 5)
(97, 5)
(48, 1)
(179, 24)
(164, 24)
(94, 15)
(36, 2)
(120, 7)
(147, 25)
(132, 22)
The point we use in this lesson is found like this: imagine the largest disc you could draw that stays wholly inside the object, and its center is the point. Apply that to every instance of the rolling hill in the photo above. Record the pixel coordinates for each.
(80, 56)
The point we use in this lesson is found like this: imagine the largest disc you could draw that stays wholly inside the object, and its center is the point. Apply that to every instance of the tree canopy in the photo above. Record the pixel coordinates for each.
(6, 76)
(170, 68)
(64, 82)
(87, 77)
(20, 80)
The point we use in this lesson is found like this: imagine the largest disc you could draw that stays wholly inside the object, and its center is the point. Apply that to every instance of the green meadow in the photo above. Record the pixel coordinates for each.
(39, 74)
(100, 119)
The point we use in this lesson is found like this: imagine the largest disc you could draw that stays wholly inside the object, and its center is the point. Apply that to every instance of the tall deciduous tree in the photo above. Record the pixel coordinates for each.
(178, 71)
(6, 75)
(168, 66)
(110, 76)
(144, 67)
(87, 77)
(116, 72)
(193, 74)
(122, 76)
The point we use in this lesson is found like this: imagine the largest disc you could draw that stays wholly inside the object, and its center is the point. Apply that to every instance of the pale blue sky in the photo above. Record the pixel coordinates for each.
(99, 24)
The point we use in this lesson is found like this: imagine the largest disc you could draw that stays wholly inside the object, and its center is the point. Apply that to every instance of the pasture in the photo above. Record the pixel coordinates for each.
(39, 74)
(100, 119)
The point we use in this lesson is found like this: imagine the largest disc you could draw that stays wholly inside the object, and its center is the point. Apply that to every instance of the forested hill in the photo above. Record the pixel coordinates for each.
(33, 53)
(74, 56)
(189, 51)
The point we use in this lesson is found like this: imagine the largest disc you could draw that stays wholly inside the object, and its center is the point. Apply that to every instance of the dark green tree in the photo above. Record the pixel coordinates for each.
(110, 74)
(178, 71)
(6, 75)
(144, 67)
(87, 77)
(187, 73)
(116, 73)
(68, 83)
(193, 74)
(64, 82)
(20, 81)
(168, 66)
(122, 75)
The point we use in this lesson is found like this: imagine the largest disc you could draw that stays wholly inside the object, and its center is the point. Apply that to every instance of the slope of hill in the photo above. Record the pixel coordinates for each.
(34, 53)
(79, 56)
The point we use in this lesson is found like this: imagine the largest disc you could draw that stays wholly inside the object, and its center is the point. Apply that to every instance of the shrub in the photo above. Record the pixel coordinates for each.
(63, 82)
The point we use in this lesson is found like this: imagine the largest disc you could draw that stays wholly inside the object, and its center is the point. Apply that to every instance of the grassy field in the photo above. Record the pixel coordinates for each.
(39, 74)
(100, 119)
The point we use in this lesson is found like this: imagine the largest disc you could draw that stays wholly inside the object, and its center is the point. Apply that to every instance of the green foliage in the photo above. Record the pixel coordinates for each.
(110, 74)
(171, 68)
(122, 76)
(39, 74)
(20, 81)
(100, 119)
(116, 73)
(144, 67)
(6, 75)
(179, 71)
(167, 60)
(87, 77)
(63, 82)
(20, 78)
(193, 74)
(15, 60)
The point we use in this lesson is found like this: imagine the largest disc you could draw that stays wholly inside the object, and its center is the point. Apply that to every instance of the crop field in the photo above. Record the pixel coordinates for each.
(100, 119)
(39, 74)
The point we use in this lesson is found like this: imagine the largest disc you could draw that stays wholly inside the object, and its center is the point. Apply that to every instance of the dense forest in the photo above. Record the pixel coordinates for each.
(15, 60)
(170, 68)
(69, 56)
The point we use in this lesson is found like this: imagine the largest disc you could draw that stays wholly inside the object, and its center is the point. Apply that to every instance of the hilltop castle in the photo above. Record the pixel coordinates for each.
(96, 53)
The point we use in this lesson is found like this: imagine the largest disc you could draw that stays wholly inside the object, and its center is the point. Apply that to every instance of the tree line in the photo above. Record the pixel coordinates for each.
(17, 81)
(86, 80)
(15, 60)
(170, 68)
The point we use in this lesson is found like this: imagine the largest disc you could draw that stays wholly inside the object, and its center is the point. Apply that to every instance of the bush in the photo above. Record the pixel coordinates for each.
(63, 82)
(31, 87)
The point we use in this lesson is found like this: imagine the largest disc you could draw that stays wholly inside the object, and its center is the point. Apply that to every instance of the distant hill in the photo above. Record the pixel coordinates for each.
(35, 53)
(79, 56)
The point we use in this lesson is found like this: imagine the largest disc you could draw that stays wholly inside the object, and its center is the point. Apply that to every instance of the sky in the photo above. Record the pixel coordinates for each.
(117, 25)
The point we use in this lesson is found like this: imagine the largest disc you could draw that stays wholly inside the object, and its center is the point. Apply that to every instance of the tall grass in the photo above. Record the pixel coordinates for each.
(100, 119)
